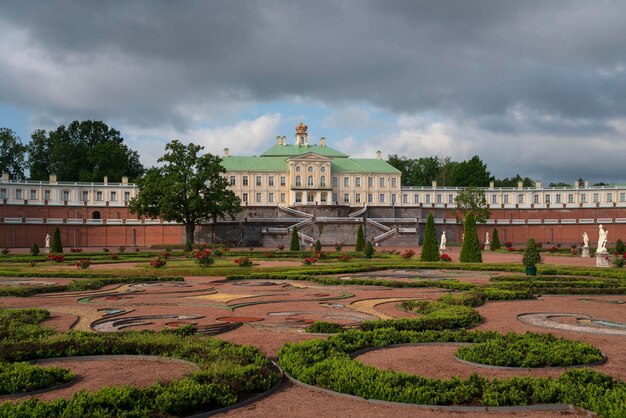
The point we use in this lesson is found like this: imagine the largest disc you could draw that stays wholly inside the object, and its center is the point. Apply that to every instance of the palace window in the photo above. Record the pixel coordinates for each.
(270, 197)
(416, 198)
(3, 193)
(622, 197)
(270, 181)
(583, 198)
(370, 182)
(394, 182)
(298, 197)
(439, 198)
(558, 198)
(346, 198)
(258, 180)
(258, 197)
(381, 198)
(357, 198)
(596, 198)
(66, 195)
(536, 198)
(370, 198)
(244, 198)
(450, 199)
(494, 199)
(232, 180)
(298, 181)
(283, 180)
(310, 197)
(309, 181)
(113, 196)
(323, 169)
(323, 181)
(548, 198)
(405, 198)
(346, 182)
(298, 169)
(335, 197)
(323, 196)
(244, 181)
(85, 195)
(506, 199)
(33, 195)
(570, 198)
(335, 182)
(382, 182)
(428, 198)
(609, 197)
(95, 215)
(310, 169)
(98, 196)
(283, 197)
(520, 199)
(357, 182)
(126, 196)
(393, 198)
(18, 193)
(46, 194)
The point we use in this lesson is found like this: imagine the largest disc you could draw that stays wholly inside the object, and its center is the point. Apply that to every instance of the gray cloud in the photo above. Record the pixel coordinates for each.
(511, 70)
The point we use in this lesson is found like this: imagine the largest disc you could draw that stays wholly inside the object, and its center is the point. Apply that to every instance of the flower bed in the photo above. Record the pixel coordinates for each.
(407, 254)
(158, 262)
(243, 262)
(57, 258)
(83, 264)
(203, 257)
(309, 261)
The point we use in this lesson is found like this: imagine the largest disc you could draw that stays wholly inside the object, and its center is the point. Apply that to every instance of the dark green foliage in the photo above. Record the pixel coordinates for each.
(430, 250)
(619, 246)
(188, 246)
(189, 187)
(82, 151)
(531, 257)
(23, 377)
(12, 153)
(495, 240)
(327, 363)
(470, 251)
(295, 240)
(56, 247)
(22, 324)
(323, 327)
(471, 173)
(317, 246)
(34, 249)
(360, 239)
(530, 350)
(368, 251)
(471, 199)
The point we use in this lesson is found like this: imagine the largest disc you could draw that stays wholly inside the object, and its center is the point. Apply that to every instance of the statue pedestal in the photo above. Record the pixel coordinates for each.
(602, 259)
(487, 247)
(442, 251)
(585, 253)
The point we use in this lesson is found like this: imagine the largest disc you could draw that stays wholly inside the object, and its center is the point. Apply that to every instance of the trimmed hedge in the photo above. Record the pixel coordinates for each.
(323, 327)
(23, 377)
(530, 350)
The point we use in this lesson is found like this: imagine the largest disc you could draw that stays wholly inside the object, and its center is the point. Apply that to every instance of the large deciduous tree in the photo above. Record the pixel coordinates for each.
(11, 154)
(471, 199)
(82, 151)
(472, 172)
(188, 188)
(416, 171)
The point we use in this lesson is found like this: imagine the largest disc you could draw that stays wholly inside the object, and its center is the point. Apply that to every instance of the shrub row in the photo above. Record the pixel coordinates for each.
(324, 327)
(327, 363)
(23, 377)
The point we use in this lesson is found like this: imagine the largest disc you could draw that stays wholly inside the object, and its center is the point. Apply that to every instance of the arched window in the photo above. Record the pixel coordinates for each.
(323, 181)
(309, 181)
(298, 181)
(95, 215)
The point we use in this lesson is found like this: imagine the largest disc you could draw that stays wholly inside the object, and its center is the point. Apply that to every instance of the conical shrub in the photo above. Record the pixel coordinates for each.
(470, 251)
(295, 241)
(360, 239)
(430, 251)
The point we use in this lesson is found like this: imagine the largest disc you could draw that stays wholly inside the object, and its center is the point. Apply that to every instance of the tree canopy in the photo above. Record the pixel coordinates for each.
(11, 154)
(188, 188)
(471, 199)
(416, 171)
(82, 151)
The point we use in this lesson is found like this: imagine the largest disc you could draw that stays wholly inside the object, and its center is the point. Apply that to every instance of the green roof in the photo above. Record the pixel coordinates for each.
(360, 165)
(292, 150)
(234, 163)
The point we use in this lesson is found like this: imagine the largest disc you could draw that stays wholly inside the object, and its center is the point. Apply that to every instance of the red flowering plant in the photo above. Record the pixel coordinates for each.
(58, 258)
(243, 262)
(203, 257)
(552, 249)
(511, 249)
(445, 257)
(321, 255)
(407, 254)
(344, 257)
(618, 259)
(158, 262)
(165, 254)
(309, 261)
(76, 250)
(83, 264)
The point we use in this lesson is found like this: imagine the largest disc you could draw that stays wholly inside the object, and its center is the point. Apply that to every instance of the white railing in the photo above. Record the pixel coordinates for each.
(358, 212)
(74, 221)
(91, 221)
(377, 224)
(34, 220)
(294, 211)
(385, 236)
(114, 221)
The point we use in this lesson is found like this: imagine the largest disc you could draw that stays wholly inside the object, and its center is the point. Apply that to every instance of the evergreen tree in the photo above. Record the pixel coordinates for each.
(430, 251)
(57, 246)
(495, 240)
(531, 256)
(295, 241)
(369, 250)
(360, 239)
(619, 246)
(34, 249)
(470, 251)
(318, 246)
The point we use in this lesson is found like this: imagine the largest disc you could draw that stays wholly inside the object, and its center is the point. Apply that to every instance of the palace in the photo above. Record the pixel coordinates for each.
(322, 192)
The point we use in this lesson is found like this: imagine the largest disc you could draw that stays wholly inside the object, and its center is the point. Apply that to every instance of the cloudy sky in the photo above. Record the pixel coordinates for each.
(532, 87)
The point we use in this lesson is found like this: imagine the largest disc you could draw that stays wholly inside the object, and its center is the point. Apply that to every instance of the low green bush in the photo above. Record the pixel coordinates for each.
(530, 350)
(24, 377)
(22, 324)
(324, 327)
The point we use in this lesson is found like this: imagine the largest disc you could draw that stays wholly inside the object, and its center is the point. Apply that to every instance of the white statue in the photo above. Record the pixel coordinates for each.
(47, 240)
(585, 240)
(487, 238)
(442, 246)
(602, 240)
